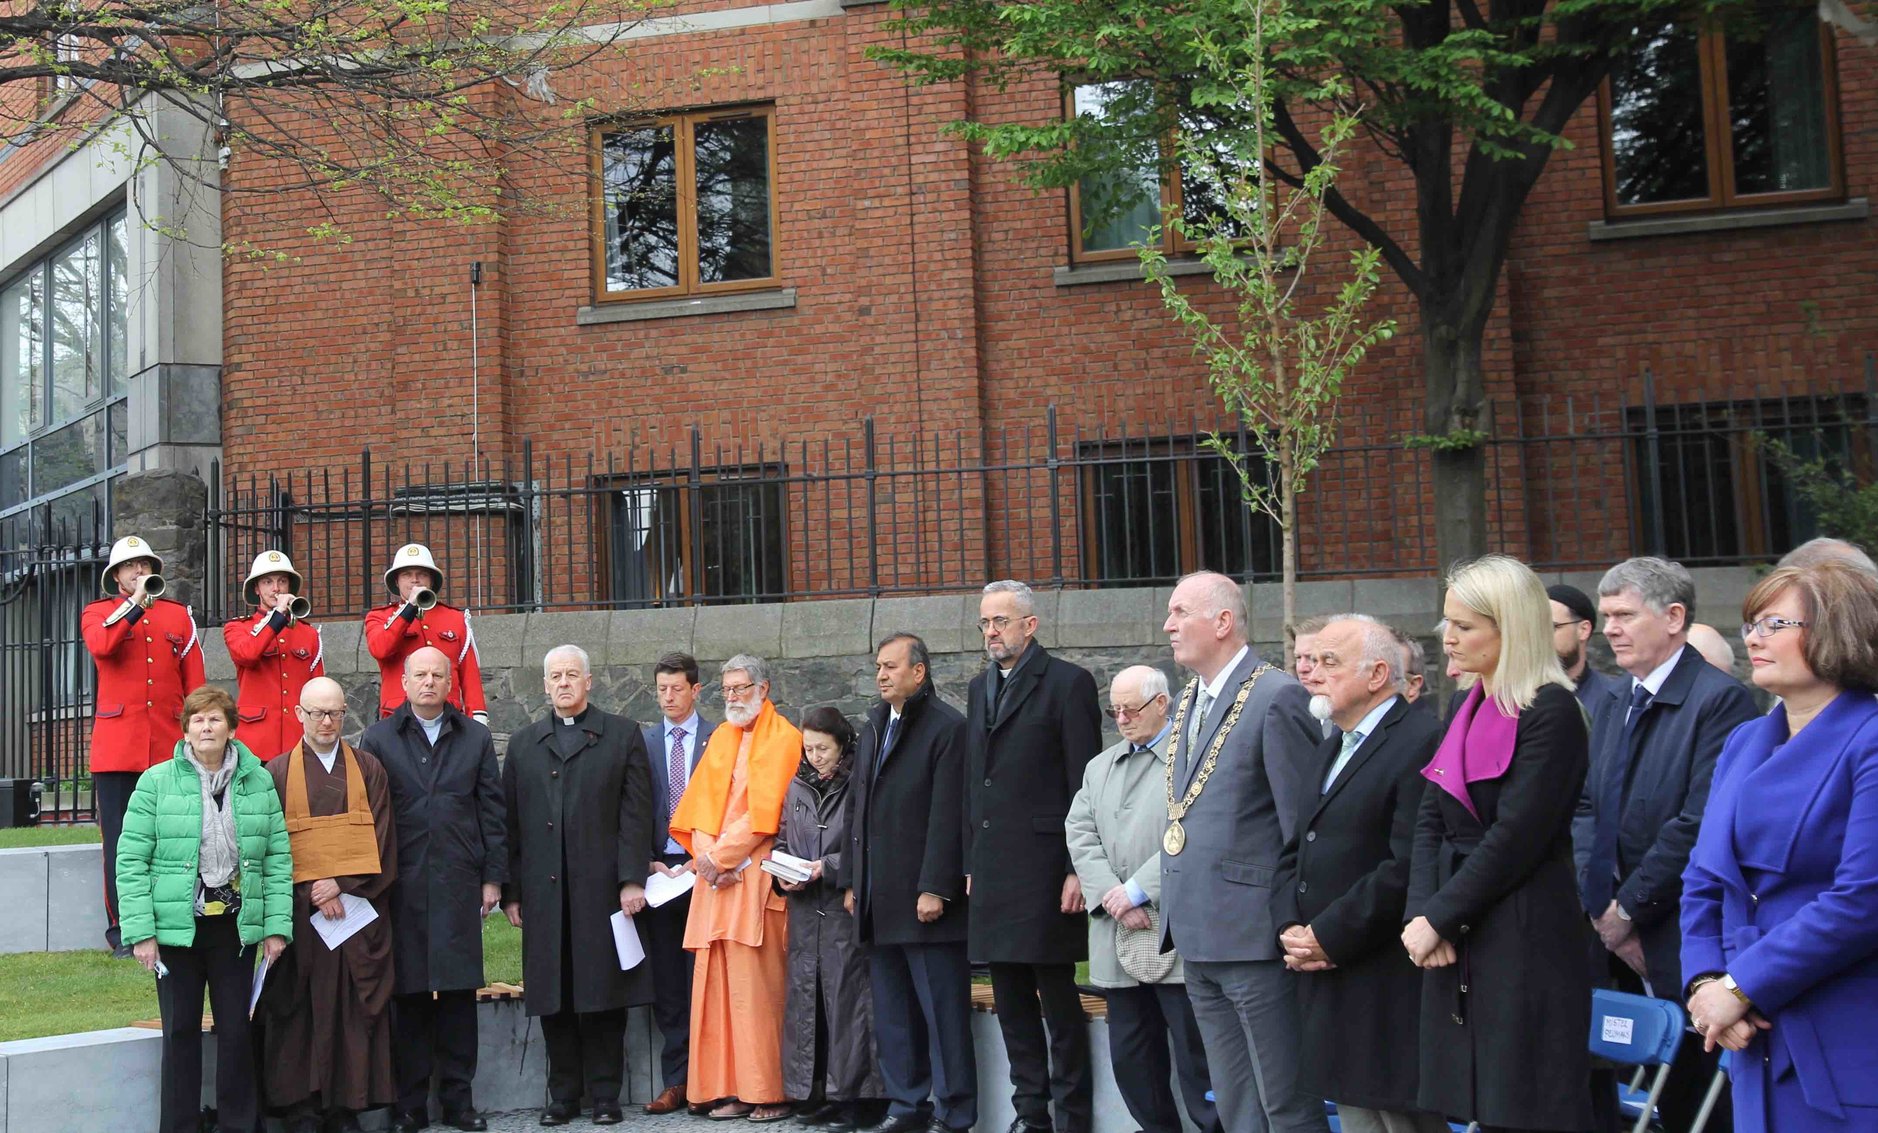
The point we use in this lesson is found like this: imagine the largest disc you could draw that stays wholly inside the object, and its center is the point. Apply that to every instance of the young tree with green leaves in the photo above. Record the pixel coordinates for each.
(1468, 98)
(1280, 365)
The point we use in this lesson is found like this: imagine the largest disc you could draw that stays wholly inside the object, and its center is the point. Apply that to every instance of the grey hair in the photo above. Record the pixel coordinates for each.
(575, 651)
(1150, 682)
(1659, 582)
(752, 667)
(1379, 645)
(1414, 657)
(1223, 596)
(1827, 550)
(1021, 594)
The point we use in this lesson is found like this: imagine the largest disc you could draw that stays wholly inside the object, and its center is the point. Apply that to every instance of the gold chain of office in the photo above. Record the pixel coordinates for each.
(1175, 840)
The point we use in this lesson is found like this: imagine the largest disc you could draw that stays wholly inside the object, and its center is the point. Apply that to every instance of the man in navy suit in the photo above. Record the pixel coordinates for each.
(1653, 748)
(673, 745)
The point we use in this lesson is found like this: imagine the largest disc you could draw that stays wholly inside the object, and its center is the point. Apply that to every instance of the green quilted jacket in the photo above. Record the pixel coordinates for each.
(158, 852)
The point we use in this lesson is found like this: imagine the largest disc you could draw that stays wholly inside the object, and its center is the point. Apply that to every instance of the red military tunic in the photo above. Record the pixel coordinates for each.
(391, 639)
(145, 668)
(271, 667)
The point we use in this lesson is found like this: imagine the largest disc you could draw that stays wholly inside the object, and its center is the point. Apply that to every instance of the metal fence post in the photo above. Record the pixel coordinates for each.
(1056, 503)
(694, 503)
(872, 476)
(1653, 465)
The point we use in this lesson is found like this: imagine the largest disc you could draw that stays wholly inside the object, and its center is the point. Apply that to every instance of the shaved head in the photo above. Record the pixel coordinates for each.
(322, 692)
(427, 681)
(429, 654)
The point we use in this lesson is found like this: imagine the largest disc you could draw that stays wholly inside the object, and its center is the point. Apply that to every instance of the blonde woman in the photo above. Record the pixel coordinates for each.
(1493, 914)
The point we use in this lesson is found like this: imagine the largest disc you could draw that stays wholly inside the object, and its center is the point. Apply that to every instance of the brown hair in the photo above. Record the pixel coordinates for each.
(1840, 608)
(208, 698)
(1311, 625)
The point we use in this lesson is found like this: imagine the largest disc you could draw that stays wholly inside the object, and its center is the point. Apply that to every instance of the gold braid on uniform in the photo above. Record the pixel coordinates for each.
(1175, 840)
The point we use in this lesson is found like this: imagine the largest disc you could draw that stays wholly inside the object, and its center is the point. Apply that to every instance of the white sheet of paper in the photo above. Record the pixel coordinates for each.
(359, 913)
(260, 981)
(660, 888)
(626, 941)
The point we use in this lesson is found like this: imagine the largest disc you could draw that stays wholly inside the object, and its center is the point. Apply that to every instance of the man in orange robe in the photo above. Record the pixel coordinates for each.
(739, 927)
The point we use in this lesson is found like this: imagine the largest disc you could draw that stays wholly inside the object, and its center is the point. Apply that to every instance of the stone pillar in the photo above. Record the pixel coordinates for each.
(165, 507)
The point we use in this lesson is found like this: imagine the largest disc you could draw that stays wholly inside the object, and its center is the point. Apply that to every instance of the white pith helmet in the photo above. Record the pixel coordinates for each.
(125, 549)
(266, 563)
(408, 556)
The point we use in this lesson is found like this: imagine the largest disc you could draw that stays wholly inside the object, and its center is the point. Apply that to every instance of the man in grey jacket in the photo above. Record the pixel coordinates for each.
(1115, 824)
(1243, 752)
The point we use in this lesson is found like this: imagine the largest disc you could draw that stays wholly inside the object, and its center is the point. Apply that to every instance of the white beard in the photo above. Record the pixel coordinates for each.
(1320, 707)
(742, 715)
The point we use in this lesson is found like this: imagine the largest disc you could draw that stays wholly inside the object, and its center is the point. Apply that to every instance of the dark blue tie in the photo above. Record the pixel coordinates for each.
(886, 742)
(1640, 698)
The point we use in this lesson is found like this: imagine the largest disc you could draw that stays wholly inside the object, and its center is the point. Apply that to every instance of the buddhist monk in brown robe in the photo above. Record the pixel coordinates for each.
(739, 925)
(325, 1015)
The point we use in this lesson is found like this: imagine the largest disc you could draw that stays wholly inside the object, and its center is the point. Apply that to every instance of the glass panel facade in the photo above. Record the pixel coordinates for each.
(1120, 206)
(77, 318)
(22, 357)
(1658, 144)
(1777, 105)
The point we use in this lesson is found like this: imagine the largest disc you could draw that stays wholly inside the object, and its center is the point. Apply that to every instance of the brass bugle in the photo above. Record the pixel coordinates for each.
(299, 608)
(424, 598)
(149, 586)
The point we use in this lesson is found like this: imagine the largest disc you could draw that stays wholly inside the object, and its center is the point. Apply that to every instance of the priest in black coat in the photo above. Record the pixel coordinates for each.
(1032, 724)
(580, 832)
(1342, 880)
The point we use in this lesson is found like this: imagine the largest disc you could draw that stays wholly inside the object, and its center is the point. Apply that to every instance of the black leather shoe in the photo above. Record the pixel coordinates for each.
(1022, 1126)
(938, 1126)
(608, 1113)
(467, 1120)
(911, 1123)
(558, 1113)
(819, 1115)
(410, 1122)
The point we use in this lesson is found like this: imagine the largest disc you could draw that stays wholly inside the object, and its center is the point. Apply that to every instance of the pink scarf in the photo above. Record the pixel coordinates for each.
(1478, 746)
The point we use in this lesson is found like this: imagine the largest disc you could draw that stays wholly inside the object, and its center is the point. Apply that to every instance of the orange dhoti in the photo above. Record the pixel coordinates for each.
(739, 933)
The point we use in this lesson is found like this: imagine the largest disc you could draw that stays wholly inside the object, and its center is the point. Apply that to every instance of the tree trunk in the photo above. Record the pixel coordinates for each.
(1288, 532)
(1451, 350)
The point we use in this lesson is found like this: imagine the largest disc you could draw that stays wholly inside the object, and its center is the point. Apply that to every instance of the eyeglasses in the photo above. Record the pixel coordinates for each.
(323, 714)
(1769, 626)
(737, 692)
(1000, 623)
(1124, 712)
(1572, 622)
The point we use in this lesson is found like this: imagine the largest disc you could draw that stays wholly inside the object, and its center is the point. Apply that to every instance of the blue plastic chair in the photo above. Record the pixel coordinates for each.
(1635, 1030)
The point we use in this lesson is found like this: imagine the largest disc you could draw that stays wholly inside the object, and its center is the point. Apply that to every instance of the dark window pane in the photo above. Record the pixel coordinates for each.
(76, 311)
(69, 455)
(117, 317)
(742, 541)
(1204, 184)
(22, 358)
(644, 539)
(1120, 206)
(12, 478)
(639, 193)
(1777, 105)
(1657, 140)
(77, 516)
(732, 161)
(1234, 539)
(1135, 522)
(120, 432)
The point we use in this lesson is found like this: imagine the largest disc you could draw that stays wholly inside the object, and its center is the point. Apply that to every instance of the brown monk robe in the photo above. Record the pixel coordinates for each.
(325, 1018)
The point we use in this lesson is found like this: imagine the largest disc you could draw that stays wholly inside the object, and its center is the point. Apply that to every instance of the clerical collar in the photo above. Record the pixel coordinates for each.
(570, 721)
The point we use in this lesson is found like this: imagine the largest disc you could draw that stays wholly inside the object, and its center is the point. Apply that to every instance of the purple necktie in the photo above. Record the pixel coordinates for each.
(675, 772)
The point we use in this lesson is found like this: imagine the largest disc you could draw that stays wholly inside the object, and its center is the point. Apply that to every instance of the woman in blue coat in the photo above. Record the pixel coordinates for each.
(1780, 898)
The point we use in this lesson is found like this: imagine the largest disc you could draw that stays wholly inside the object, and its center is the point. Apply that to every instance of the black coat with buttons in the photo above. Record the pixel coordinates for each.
(1503, 1029)
(1350, 850)
(579, 827)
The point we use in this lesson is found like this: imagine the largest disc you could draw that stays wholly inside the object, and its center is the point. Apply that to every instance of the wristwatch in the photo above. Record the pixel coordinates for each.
(1734, 988)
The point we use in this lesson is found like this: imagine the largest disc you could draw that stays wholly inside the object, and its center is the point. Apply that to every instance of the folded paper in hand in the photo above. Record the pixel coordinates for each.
(660, 888)
(626, 941)
(788, 867)
(333, 933)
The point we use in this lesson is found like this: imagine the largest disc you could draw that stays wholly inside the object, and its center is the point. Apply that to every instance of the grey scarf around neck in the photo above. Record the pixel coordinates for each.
(220, 851)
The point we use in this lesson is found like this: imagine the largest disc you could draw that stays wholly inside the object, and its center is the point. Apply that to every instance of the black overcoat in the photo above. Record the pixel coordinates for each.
(1510, 1051)
(1349, 852)
(447, 807)
(904, 837)
(579, 827)
(1022, 770)
(826, 968)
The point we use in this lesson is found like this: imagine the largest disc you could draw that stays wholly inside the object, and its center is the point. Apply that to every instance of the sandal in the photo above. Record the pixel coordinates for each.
(733, 1108)
(773, 1112)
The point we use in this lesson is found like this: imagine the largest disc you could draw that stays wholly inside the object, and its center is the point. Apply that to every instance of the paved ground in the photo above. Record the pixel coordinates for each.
(636, 1119)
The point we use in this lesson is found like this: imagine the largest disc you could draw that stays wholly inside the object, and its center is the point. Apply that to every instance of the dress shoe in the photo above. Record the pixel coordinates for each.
(467, 1120)
(671, 1101)
(813, 1114)
(1022, 1126)
(911, 1123)
(123, 952)
(559, 1113)
(938, 1126)
(410, 1122)
(607, 1113)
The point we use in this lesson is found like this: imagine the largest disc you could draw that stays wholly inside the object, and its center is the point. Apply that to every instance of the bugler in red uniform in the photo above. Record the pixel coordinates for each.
(275, 655)
(399, 629)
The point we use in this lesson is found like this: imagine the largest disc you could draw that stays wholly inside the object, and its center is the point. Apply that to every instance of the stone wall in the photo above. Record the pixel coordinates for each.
(164, 507)
(822, 652)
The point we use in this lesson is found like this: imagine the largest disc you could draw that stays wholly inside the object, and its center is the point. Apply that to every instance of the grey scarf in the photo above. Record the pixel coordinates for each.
(221, 854)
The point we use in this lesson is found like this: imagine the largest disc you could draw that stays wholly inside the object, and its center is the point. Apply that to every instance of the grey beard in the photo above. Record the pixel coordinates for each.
(1320, 707)
(740, 714)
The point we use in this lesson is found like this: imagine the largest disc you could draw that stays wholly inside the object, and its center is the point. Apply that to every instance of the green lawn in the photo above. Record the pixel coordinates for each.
(58, 993)
(15, 837)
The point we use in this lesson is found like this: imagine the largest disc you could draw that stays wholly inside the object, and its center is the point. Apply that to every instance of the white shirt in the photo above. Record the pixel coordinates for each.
(1367, 725)
(692, 740)
(1217, 686)
(432, 728)
(1654, 682)
(326, 758)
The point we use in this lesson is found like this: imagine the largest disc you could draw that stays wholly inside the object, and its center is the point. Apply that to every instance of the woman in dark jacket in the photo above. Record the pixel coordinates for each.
(1493, 913)
(828, 1032)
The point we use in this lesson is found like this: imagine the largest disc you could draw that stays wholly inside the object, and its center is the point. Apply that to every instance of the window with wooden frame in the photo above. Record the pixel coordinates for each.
(722, 538)
(1155, 510)
(1114, 212)
(684, 204)
(1724, 114)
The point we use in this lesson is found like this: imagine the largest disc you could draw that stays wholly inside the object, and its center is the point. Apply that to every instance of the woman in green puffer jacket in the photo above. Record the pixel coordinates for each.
(203, 875)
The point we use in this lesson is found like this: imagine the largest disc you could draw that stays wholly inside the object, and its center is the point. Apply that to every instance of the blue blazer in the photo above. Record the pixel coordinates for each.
(1782, 894)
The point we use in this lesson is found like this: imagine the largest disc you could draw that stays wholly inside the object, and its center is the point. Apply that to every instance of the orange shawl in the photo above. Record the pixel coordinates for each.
(775, 753)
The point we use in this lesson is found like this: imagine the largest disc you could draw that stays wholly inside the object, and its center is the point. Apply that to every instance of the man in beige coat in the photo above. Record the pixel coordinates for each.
(1115, 824)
